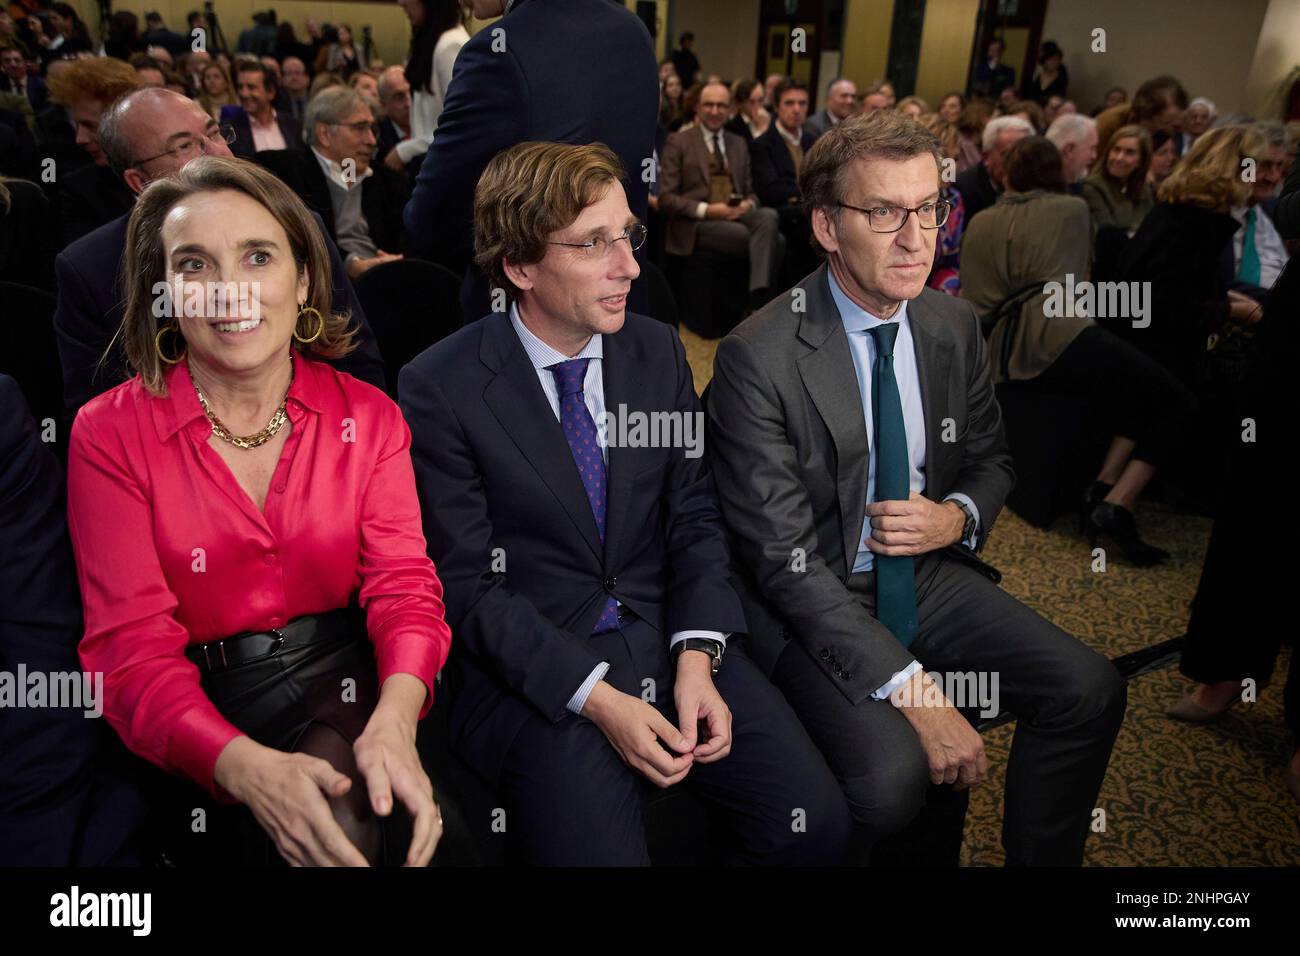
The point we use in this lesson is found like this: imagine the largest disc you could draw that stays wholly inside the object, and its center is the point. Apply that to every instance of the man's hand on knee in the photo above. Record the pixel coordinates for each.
(953, 747)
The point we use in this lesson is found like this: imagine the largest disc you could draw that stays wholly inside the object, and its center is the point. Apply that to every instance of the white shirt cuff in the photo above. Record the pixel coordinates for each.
(974, 535)
(897, 681)
(680, 636)
(701, 210)
(579, 698)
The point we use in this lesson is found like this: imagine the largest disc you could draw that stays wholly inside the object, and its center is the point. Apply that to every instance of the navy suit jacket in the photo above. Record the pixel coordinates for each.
(91, 302)
(59, 803)
(568, 71)
(495, 471)
(775, 180)
(243, 146)
(34, 87)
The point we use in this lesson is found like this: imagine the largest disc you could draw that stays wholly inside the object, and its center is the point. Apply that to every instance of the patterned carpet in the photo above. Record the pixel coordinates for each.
(1175, 794)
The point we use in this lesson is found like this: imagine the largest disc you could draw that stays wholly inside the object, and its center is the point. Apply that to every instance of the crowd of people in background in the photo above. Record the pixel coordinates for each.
(1143, 190)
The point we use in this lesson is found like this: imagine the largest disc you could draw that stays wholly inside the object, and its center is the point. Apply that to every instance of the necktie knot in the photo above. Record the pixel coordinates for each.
(569, 376)
(884, 334)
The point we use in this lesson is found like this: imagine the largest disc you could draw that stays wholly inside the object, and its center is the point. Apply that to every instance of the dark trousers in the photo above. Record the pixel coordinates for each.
(572, 801)
(1069, 701)
(1139, 398)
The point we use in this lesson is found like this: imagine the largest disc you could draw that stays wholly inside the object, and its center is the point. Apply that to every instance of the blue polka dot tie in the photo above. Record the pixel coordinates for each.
(580, 432)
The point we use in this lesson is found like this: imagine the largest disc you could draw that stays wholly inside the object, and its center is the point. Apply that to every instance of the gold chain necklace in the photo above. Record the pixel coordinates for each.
(245, 441)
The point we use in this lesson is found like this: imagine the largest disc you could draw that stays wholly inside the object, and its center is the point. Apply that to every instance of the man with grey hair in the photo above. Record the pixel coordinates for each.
(359, 200)
(860, 461)
(1258, 254)
(841, 103)
(1075, 138)
(149, 134)
(981, 185)
(1200, 116)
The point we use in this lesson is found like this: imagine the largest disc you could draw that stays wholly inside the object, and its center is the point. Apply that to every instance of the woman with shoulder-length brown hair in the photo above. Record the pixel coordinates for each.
(244, 517)
(1116, 191)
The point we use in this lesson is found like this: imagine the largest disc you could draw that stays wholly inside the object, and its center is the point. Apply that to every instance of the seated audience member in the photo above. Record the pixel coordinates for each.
(971, 120)
(1164, 153)
(823, 413)
(618, 572)
(1158, 104)
(1006, 99)
(670, 102)
(1258, 254)
(1233, 634)
(1179, 249)
(1038, 234)
(63, 802)
(1031, 112)
(1114, 97)
(323, 81)
(951, 106)
(439, 34)
(14, 78)
(294, 83)
(887, 88)
(707, 195)
(841, 103)
(1200, 116)
(945, 273)
(92, 195)
(496, 101)
(751, 119)
(776, 157)
(360, 203)
(1075, 138)
(176, 83)
(258, 125)
(67, 34)
(1116, 191)
(149, 70)
(245, 458)
(395, 101)
(1051, 78)
(992, 76)
(914, 107)
(873, 100)
(981, 185)
(157, 34)
(217, 90)
(1052, 109)
(28, 234)
(367, 84)
(147, 136)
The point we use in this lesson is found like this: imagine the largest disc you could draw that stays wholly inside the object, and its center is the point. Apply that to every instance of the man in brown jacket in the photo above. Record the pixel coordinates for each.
(707, 195)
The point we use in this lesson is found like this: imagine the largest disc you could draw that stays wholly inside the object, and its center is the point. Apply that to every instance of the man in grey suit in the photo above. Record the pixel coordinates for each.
(707, 195)
(860, 459)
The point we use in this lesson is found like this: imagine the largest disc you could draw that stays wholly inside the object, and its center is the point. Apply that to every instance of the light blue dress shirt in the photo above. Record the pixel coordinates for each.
(593, 393)
(863, 348)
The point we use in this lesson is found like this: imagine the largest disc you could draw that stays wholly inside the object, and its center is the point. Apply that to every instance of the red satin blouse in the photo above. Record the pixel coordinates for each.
(171, 551)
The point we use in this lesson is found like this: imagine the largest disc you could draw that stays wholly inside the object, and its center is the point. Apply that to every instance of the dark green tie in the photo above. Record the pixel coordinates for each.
(895, 575)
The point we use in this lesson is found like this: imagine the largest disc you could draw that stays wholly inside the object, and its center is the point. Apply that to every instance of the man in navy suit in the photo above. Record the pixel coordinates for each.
(584, 564)
(569, 71)
(777, 157)
(257, 123)
(147, 135)
(14, 78)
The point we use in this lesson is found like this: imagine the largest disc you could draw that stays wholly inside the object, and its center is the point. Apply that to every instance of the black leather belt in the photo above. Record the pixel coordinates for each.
(253, 646)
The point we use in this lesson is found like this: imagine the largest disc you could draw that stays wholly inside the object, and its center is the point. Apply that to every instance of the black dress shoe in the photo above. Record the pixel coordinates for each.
(1112, 521)
(1096, 493)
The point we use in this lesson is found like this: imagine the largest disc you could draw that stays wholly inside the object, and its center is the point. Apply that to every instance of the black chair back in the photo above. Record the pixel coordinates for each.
(663, 306)
(410, 304)
(31, 352)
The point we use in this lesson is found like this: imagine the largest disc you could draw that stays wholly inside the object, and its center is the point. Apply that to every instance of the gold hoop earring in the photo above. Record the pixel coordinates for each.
(320, 329)
(157, 344)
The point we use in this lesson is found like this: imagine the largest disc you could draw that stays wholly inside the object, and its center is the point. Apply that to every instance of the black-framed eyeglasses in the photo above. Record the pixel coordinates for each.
(193, 146)
(886, 217)
(598, 247)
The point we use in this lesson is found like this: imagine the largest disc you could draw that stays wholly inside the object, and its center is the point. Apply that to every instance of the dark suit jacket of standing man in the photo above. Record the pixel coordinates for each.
(91, 303)
(243, 147)
(383, 194)
(567, 71)
(505, 479)
(775, 179)
(56, 808)
(808, 357)
(685, 183)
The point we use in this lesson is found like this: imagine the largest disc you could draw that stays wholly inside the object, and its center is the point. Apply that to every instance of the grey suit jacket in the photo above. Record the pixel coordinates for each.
(818, 124)
(789, 449)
